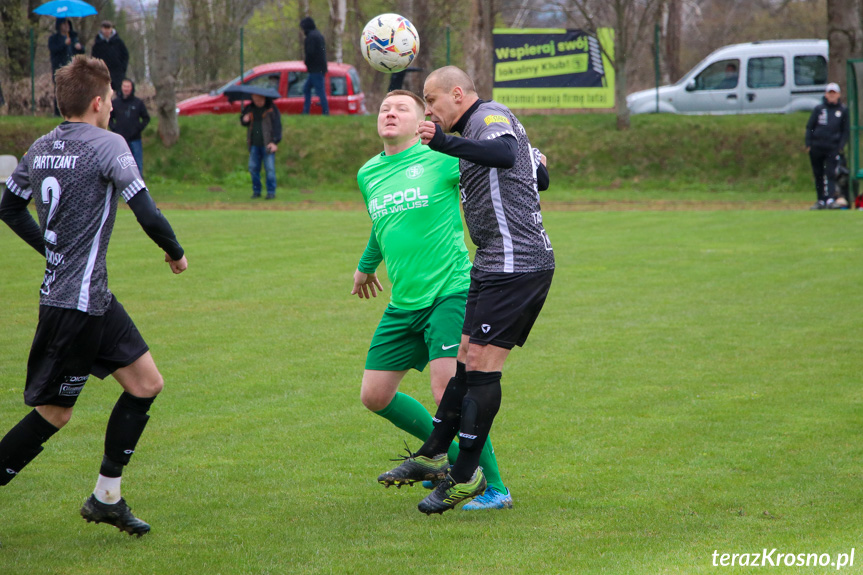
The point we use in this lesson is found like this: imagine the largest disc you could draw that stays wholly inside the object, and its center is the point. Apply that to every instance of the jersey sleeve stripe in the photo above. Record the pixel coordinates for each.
(132, 189)
(16, 189)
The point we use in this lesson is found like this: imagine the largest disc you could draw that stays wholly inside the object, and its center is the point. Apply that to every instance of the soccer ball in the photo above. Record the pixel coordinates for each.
(389, 43)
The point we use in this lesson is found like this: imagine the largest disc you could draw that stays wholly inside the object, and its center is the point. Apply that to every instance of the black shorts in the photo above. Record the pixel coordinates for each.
(502, 307)
(69, 345)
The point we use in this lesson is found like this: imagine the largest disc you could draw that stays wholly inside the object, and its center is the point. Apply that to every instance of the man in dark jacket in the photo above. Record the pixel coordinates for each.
(264, 134)
(63, 44)
(315, 50)
(109, 48)
(129, 118)
(826, 135)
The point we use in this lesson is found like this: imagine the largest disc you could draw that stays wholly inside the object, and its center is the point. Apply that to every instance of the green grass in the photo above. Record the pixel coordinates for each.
(692, 385)
(663, 158)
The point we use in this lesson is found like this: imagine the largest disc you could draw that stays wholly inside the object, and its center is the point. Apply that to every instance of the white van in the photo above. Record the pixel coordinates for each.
(776, 76)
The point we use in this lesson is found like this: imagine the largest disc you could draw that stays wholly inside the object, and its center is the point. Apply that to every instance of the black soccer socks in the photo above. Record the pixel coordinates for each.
(446, 419)
(481, 403)
(125, 427)
(22, 444)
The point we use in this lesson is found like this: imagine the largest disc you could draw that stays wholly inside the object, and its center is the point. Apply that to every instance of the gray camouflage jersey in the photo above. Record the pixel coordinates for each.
(501, 206)
(77, 172)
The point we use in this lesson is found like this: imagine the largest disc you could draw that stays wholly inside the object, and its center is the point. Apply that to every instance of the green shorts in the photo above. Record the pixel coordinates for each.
(408, 339)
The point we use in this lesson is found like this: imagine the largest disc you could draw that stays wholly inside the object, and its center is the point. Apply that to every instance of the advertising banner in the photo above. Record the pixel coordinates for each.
(554, 68)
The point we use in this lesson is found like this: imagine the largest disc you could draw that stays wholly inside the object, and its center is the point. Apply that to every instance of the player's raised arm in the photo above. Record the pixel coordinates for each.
(498, 152)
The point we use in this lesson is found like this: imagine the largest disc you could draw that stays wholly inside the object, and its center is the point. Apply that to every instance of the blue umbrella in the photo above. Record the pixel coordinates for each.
(65, 9)
(244, 91)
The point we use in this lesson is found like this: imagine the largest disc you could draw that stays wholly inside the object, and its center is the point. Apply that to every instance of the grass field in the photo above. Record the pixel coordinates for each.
(692, 386)
(663, 158)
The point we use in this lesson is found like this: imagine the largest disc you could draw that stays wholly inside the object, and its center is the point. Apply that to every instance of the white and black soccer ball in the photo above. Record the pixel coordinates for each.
(389, 43)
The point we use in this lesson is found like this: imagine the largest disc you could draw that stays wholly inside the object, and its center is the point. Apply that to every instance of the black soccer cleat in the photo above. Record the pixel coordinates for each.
(415, 468)
(448, 493)
(119, 515)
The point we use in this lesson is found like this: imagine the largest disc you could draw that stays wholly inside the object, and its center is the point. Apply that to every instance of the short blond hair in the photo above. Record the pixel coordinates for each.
(417, 100)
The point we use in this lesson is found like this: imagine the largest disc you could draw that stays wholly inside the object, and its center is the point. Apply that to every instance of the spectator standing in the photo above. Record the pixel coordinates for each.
(826, 135)
(264, 134)
(109, 48)
(129, 118)
(63, 44)
(315, 57)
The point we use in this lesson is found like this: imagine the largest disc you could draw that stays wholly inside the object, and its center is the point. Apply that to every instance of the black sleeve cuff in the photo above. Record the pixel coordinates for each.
(155, 225)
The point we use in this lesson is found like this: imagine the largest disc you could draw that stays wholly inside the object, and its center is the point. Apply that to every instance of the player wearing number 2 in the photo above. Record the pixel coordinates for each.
(77, 173)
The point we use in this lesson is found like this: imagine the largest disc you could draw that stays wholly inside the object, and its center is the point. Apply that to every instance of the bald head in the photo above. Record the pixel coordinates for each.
(449, 92)
(450, 77)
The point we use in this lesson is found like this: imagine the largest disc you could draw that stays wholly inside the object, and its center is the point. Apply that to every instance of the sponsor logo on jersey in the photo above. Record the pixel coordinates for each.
(50, 276)
(495, 118)
(126, 160)
(397, 202)
(414, 171)
(53, 258)
(54, 162)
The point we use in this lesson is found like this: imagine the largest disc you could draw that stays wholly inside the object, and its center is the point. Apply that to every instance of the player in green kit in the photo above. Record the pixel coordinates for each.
(412, 196)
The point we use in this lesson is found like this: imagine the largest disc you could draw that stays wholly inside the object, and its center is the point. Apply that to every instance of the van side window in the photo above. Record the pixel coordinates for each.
(766, 72)
(721, 75)
(810, 70)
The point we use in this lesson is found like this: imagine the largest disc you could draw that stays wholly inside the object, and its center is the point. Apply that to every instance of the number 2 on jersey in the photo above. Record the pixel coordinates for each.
(50, 195)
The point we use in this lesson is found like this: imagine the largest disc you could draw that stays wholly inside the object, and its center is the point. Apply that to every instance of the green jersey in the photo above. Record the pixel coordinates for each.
(413, 201)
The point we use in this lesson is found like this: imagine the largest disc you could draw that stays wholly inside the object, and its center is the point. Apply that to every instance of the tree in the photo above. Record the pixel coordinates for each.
(165, 69)
(632, 20)
(338, 15)
(671, 34)
(845, 36)
(478, 46)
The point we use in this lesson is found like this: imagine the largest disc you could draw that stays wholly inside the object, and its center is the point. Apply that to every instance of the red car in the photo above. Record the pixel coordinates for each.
(344, 94)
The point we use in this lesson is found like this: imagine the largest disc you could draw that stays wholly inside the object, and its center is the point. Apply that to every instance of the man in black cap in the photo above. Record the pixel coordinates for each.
(826, 135)
(109, 48)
